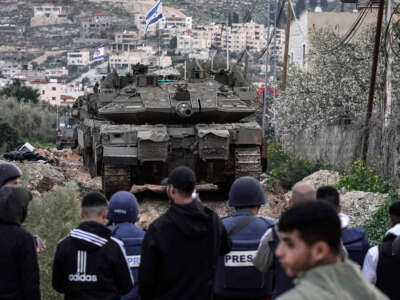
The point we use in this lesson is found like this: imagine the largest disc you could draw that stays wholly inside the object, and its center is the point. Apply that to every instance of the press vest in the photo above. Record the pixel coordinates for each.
(236, 276)
(132, 237)
(356, 244)
(388, 269)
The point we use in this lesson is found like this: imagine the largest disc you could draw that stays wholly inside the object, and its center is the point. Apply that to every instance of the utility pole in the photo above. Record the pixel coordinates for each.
(373, 79)
(265, 99)
(273, 50)
(286, 53)
(387, 107)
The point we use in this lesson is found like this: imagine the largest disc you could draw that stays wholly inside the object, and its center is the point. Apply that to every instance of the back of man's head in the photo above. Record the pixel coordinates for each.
(94, 205)
(302, 192)
(183, 179)
(314, 221)
(394, 213)
(330, 195)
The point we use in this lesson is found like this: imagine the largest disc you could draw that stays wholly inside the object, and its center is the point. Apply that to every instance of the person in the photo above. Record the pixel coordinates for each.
(181, 248)
(19, 270)
(9, 174)
(89, 263)
(354, 239)
(264, 260)
(382, 263)
(310, 250)
(123, 213)
(236, 276)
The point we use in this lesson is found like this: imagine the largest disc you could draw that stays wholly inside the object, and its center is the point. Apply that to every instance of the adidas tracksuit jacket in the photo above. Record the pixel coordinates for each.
(90, 264)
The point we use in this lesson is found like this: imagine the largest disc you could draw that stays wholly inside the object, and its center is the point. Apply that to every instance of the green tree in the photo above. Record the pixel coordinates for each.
(20, 92)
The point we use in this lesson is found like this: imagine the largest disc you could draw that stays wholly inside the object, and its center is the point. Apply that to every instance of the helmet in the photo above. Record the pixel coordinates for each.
(8, 172)
(123, 207)
(246, 191)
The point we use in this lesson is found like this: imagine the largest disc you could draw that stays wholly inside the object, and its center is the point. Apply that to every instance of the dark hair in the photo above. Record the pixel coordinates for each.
(330, 195)
(183, 179)
(394, 212)
(315, 221)
(92, 199)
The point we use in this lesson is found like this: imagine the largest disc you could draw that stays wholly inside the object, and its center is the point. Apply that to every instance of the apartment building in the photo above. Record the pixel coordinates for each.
(95, 26)
(78, 58)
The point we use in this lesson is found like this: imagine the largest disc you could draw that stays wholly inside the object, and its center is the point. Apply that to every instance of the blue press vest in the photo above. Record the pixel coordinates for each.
(132, 237)
(236, 276)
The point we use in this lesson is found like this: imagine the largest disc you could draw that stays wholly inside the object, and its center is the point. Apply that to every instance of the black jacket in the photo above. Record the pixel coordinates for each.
(180, 252)
(89, 264)
(19, 271)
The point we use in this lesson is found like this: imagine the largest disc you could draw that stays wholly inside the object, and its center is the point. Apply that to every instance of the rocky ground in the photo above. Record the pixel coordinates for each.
(66, 166)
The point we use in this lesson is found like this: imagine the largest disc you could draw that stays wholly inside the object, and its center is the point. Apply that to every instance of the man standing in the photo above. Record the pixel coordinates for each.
(236, 275)
(19, 270)
(89, 263)
(181, 248)
(354, 239)
(265, 259)
(309, 249)
(123, 213)
(9, 174)
(382, 263)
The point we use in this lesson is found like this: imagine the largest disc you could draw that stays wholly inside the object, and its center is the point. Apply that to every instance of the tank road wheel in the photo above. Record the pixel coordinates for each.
(248, 161)
(116, 178)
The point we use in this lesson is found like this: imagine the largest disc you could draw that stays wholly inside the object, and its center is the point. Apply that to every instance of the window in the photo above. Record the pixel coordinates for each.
(304, 54)
(53, 98)
(43, 92)
(53, 88)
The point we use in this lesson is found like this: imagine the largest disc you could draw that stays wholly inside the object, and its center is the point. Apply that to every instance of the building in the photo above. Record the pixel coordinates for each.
(49, 14)
(95, 26)
(237, 38)
(47, 10)
(78, 58)
(125, 41)
(172, 17)
(302, 29)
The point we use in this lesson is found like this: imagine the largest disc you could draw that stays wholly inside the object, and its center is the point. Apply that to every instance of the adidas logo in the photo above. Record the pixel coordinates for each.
(82, 278)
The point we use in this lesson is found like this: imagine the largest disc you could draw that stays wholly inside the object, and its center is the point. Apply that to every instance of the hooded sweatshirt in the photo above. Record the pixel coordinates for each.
(180, 252)
(342, 281)
(89, 264)
(19, 271)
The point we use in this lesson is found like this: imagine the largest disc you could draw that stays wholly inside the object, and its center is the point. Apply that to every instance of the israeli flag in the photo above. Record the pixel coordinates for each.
(99, 53)
(154, 15)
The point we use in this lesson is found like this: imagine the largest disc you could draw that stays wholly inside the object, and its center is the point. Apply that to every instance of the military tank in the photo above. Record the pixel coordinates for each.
(135, 129)
(66, 133)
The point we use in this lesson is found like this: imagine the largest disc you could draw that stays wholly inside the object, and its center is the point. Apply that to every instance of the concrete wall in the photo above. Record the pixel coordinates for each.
(341, 145)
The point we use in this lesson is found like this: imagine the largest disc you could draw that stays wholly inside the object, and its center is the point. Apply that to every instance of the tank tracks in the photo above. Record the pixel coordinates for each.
(116, 178)
(248, 161)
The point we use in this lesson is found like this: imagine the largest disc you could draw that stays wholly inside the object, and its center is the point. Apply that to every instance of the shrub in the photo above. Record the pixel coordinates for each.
(360, 177)
(377, 226)
(29, 122)
(51, 217)
(287, 169)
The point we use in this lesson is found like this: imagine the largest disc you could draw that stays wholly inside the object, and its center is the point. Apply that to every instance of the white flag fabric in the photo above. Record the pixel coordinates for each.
(99, 53)
(154, 15)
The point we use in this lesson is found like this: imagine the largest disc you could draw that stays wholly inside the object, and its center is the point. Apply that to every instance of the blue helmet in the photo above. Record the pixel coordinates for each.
(246, 191)
(123, 207)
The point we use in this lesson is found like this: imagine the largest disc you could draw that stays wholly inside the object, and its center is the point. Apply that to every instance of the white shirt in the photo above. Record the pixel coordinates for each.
(371, 259)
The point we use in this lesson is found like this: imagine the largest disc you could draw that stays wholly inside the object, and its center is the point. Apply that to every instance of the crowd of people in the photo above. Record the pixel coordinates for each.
(189, 252)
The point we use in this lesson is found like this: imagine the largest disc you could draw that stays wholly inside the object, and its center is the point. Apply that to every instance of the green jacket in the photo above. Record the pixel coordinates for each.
(341, 281)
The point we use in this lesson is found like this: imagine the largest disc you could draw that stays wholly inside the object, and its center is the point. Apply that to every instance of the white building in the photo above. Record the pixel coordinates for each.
(47, 10)
(172, 17)
(78, 58)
